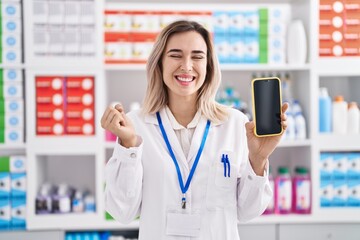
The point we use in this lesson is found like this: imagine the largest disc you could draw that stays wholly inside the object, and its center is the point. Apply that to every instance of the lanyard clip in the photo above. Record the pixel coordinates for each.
(183, 202)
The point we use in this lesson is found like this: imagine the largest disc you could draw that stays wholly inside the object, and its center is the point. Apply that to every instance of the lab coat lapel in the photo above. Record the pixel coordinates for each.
(174, 142)
(197, 138)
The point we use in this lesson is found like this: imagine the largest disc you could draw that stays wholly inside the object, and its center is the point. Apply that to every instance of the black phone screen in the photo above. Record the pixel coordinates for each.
(267, 106)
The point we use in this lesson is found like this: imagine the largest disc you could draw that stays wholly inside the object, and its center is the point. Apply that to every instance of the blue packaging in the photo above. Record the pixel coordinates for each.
(18, 213)
(5, 215)
(325, 111)
(18, 185)
(4, 185)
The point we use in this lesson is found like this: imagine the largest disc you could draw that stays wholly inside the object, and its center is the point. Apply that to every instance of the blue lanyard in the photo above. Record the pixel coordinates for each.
(186, 187)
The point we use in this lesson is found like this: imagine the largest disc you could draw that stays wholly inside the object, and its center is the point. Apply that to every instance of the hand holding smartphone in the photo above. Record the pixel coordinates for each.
(266, 101)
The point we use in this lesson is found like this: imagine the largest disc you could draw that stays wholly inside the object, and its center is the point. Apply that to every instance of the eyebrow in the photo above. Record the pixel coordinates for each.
(179, 50)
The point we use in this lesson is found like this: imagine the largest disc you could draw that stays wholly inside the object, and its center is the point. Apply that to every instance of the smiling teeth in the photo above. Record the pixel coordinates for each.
(185, 79)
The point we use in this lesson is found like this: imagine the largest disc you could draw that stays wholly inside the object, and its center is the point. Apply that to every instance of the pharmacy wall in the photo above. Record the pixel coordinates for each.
(63, 62)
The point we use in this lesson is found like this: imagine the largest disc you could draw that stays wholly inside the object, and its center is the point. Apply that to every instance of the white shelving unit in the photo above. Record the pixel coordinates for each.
(127, 83)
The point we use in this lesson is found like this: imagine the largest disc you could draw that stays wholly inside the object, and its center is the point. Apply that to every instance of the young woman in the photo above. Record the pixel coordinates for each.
(189, 167)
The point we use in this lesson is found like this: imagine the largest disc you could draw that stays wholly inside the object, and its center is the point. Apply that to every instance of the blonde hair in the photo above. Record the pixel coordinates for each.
(156, 96)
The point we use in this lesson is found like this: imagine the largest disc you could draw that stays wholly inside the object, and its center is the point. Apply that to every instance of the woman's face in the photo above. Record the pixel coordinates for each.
(184, 64)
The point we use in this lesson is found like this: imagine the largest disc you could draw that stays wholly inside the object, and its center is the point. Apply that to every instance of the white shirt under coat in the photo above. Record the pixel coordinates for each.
(143, 180)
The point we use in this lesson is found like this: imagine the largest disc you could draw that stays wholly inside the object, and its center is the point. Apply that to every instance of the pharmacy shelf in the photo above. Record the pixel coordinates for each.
(342, 215)
(12, 66)
(337, 142)
(20, 146)
(295, 143)
(342, 66)
(223, 67)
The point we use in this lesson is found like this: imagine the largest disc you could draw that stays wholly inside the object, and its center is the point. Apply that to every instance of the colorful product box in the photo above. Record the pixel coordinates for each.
(353, 199)
(117, 21)
(13, 164)
(237, 23)
(5, 214)
(326, 193)
(340, 163)
(221, 23)
(50, 105)
(168, 17)
(252, 22)
(18, 185)
(237, 49)
(340, 196)
(330, 48)
(222, 48)
(5, 185)
(252, 49)
(326, 166)
(18, 214)
(80, 105)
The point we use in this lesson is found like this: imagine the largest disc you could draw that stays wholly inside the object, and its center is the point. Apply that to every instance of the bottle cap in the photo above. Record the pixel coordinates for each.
(352, 105)
(301, 170)
(283, 170)
(339, 98)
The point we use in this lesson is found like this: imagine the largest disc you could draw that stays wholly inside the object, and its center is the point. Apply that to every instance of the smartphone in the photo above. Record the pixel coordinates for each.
(266, 101)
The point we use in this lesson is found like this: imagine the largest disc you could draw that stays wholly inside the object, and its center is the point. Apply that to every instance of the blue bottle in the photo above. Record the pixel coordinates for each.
(325, 111)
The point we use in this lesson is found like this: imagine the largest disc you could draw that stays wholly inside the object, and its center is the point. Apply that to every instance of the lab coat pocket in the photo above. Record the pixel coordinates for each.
(226, 175)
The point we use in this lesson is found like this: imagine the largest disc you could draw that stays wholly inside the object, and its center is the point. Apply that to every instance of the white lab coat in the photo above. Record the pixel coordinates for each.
(143, 180)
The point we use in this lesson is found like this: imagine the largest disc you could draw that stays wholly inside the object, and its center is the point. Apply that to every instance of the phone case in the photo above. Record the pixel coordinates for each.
(253, 104)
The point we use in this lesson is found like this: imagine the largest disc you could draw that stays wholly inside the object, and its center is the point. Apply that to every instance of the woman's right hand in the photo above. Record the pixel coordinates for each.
(115, 120)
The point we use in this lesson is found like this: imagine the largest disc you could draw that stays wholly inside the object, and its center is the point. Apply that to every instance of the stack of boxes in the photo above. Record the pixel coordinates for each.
(130, 34)
(339, 28)
(252, 35)
(12, 192)
(11, 107)
(340, 179)
(64, 28)
(65, 105)
(11, 31)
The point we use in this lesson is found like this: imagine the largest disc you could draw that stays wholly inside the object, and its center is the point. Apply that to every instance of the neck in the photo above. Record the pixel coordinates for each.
(183, 111)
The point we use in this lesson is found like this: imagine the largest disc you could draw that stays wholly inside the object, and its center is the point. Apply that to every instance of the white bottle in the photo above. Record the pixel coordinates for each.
(300, 123)
(353, 123)
(289, 134)
(296, 43)
(339, 115)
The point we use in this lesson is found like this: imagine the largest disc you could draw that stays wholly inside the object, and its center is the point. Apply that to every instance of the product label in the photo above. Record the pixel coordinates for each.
(302, 195)
(284, 195)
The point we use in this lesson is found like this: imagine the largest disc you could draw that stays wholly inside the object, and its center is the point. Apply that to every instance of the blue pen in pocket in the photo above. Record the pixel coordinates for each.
(226, 162)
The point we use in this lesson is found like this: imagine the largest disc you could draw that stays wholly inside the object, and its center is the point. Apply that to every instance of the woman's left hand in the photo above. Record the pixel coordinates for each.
(260, 148)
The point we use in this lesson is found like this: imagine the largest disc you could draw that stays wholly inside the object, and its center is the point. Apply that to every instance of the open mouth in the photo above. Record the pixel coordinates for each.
(185, 79)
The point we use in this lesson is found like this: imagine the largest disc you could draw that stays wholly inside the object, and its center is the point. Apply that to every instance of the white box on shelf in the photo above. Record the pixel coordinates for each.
(11, 40)
(55, 12)
(10, 10)
(12, 90)
(18, 213)
(12, 56)
(71, 12)
(12, 75)
(14, 120)
(87, 12)
(17, 164)
(13, 136)
(11, 105)
(11, 25)
(40, 12)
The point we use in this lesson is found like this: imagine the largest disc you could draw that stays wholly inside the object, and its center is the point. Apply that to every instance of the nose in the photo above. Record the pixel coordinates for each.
(186, 65)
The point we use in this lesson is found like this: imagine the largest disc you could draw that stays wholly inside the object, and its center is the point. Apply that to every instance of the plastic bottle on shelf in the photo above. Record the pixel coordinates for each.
(289, 134)
(43, 202)
(301, 191)
(339, 115)
(300, 123)
(283, 191)
(325, 111)
(271, 207)
(287, 89)
(353, 124)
